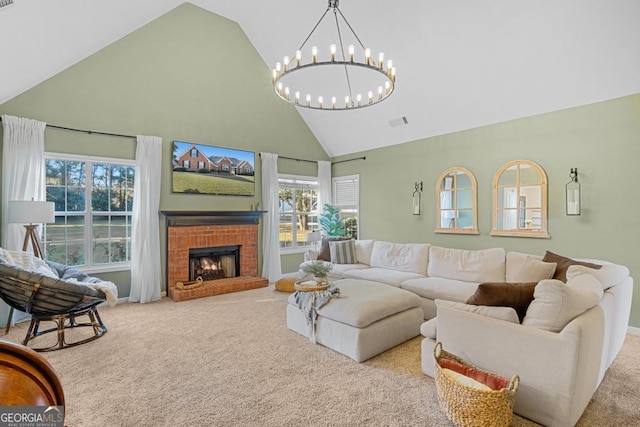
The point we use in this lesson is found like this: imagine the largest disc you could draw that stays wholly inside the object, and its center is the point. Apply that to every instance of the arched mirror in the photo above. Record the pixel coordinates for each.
(457, 210)
(520, 200)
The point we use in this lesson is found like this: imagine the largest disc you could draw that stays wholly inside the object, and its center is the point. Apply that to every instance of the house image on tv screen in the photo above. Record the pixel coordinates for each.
(197, 158)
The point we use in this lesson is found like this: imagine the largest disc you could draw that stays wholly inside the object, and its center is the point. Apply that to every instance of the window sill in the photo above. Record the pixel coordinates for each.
(292, 251)
(126, 266)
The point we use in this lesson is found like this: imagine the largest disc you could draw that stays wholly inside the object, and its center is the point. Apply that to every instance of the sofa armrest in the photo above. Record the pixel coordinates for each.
(558, 371)
(310, 255)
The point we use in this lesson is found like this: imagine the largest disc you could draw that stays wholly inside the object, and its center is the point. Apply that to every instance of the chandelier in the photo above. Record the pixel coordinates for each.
(341, 78)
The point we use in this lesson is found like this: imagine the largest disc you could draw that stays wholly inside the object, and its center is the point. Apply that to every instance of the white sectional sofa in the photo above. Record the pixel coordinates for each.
(561, 356)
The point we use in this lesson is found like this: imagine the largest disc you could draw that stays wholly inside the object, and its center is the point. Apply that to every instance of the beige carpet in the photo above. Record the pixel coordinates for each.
(229, 360)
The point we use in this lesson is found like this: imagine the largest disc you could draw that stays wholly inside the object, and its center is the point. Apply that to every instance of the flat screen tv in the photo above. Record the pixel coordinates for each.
(206, 169)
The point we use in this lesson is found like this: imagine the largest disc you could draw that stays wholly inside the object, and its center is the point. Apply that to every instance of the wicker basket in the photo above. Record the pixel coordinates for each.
(470, 407)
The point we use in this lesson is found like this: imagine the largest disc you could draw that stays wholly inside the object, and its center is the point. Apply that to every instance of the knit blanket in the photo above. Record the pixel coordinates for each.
(310, 302)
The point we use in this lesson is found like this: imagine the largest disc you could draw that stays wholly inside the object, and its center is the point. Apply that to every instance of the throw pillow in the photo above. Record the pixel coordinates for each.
(563, 263)
(556, 303)
(609, 275)
(343, 252)
(515, 295)
(522, 268)
(508, 314)
(325, 251)
(492, 381)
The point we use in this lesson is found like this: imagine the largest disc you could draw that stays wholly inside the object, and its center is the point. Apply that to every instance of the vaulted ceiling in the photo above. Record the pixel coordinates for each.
(461, 64)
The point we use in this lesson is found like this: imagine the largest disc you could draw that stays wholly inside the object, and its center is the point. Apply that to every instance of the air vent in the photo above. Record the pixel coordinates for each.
(398, 122)
(4, 3)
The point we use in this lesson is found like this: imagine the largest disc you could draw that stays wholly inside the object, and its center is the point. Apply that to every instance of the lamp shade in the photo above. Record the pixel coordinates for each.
(314, 236)
(30, 211)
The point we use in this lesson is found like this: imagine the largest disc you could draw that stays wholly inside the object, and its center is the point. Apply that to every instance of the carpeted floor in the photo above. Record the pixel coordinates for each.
(229, 360)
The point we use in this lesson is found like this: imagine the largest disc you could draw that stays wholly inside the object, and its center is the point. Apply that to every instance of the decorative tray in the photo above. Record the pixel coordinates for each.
(310, 286)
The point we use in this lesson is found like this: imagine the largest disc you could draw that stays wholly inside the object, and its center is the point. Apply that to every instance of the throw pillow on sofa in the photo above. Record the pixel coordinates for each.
(556, 303)
(609, 275)
(522, 268)
(515, 295)
(325, 251)
(343, 252)
(508, 314)
(563, 263)
(482, 265)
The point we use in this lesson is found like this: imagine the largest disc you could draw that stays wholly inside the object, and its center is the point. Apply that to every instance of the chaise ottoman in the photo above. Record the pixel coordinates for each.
(367, 319)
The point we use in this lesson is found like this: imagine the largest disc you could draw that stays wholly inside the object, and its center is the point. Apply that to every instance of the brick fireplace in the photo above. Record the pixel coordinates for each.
(199, 230)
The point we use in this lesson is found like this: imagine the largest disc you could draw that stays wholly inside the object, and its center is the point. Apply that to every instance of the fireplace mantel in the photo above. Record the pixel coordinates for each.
(191, 218)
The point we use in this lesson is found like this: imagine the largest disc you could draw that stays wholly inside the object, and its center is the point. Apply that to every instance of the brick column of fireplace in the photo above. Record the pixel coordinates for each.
(198, 229)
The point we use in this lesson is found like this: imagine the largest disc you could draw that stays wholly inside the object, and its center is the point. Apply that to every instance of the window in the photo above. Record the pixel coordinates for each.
(93, 207)
(346, 197)
(298, 197)
(520, 200)
(194, 152)
(456, 203)
(186, 164)
(200, 165)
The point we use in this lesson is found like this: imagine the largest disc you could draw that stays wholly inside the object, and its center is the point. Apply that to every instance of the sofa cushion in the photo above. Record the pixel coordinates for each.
(437, 287)
(556, 303)
(429, 328)
(515, 295)
(527, 268)
(363, 251)
(382, 275)
(485, 265)
(508, 314)
(408, 257)
(337, 272)
(325, 251)
(343, 252)
(609, 275)
(363, 302)
(563, 263)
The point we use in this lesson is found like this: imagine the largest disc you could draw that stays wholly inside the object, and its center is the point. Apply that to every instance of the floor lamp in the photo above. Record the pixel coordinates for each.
(31, 214)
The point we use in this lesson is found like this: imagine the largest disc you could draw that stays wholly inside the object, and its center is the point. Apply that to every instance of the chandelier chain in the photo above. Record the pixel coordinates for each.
(316, 26)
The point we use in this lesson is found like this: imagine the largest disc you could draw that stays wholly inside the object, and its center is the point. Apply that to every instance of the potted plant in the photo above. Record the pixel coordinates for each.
(319, 269)
(330, 221)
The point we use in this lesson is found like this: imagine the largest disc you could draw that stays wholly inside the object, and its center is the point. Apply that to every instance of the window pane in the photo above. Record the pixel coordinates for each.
(99, 175)
(447, 218)
(119, 250)
(529, 175)
(75, 174)
(446, 199)
(75, 199)
(508, 177)
(447, 182)
(75, 253)
(463, 180)
(55, 170)
(532, 195)
(101, 252)
(118, 226)
(100, 227)
(75, 228)
(464, 199)
(100, 199)
(56, 195)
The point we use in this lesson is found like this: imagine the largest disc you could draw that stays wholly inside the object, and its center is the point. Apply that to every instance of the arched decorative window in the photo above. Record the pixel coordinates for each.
(457, 208)
(520, 200)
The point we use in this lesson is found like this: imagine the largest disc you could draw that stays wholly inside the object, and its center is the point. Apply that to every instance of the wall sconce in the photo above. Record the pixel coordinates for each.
(416, 197)
(573, 193)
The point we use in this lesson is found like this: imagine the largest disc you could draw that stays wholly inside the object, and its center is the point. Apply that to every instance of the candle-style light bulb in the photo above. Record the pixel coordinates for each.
(381, 60)
(314, 54)
(297, 97)
(379, 92)
(346, 101)
(352, 51)
(285, 61)
(393, 73)
(320, 101)
(308, 100)
(389, 65)
(280, 87)
(278, 67)
(332, 51)
(286, 92)
(370, 97)
(359, 99)
(333, 102)
(387, 87)
(298, 57)
(274, 73)
(367, 56)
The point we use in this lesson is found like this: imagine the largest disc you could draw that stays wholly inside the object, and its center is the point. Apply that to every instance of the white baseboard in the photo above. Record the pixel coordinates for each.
(633, 330)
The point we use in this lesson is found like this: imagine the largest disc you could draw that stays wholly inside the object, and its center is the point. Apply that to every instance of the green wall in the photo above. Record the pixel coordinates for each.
(190, 75)
(602, 140)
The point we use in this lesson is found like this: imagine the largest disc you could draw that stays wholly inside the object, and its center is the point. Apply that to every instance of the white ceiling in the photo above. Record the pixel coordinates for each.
(461, 63)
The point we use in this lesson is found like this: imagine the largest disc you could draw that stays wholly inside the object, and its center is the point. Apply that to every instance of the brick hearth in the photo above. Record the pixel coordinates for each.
(197, 230)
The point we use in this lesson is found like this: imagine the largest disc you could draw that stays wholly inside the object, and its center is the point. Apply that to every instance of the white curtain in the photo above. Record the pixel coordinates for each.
(271, 268)
(324, 184)
(23, 171)
(146, 272)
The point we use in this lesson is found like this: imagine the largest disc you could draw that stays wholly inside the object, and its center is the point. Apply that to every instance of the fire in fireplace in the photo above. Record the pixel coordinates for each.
(213, 263)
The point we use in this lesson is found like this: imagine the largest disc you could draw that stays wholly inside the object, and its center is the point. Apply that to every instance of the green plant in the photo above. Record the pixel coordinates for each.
(330, 221)
(319, 269)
